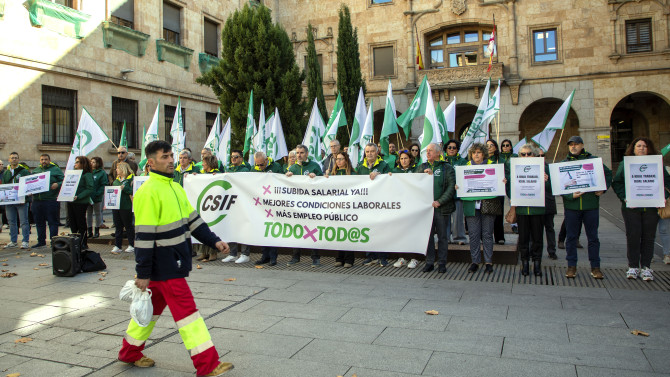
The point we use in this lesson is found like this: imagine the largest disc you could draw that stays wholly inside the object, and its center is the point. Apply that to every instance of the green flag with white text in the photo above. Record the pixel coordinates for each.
(390, 125)
(251, 125)
(416, 109)
(123, 142)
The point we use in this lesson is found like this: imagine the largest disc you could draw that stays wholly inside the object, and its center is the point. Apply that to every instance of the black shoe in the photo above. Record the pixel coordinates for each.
(525, 268)
(515, 229)
(428, 268)
(96, 233)
(488, 268)
(561, 244)
(262, 261)
(90, 232)
(579, 245)
(441, 269)
(553, 256)
(537, 268)
(37, 245)
(272, 263)
(500, 242)
(473, 268)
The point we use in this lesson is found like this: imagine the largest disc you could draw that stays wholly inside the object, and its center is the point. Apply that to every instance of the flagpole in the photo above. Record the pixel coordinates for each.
(559, 143)
(399, 139)
(498, 127)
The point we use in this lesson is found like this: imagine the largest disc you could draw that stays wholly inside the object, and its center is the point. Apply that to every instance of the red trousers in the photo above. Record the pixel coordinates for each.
(176, 294)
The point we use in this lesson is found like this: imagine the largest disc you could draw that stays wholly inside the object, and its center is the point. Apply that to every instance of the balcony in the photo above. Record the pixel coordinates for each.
(124, 39)
(174, 53)
(206, 62)
(462, 77)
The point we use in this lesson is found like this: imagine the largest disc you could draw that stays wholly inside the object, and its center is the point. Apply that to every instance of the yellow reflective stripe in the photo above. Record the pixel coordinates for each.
(201, 348)
(196, 224)
(138, 332)
(172, 241)
(194, 334)
(144, 244)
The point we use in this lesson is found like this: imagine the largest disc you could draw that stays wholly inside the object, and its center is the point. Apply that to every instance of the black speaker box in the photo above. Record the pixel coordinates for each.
(66, 255)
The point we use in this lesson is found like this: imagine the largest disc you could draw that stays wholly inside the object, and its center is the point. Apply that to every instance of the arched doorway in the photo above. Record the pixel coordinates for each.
(465, 113)
(640, 114)
(535, 118)
(398, 139)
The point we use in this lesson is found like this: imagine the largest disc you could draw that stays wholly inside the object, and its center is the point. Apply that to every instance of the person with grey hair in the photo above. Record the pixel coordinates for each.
(530, 220)
(329, 161)
(122, 153)
(185, 166)
(264, 164)
(292, 157)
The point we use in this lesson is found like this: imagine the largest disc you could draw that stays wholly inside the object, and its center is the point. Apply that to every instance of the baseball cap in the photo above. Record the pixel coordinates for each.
(576, 140)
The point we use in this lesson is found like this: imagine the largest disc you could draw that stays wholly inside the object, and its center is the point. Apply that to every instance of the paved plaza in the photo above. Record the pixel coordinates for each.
(365, 321)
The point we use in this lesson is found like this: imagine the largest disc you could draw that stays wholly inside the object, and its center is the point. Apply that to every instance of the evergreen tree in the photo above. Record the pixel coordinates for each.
(349, 76)
(257, 55)
(314, 81)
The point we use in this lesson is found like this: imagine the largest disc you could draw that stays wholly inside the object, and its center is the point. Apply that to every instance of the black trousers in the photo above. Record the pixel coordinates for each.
(530, 236)
(548, 223)
(345, 256)
(77, 216)
(640, 236)
(123, 218)
(498, 227)
(314, 253)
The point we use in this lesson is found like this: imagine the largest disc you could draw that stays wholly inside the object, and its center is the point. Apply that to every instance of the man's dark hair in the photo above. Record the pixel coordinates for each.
(155, 146)
(45, 155)
(13, 153)
(236, 151)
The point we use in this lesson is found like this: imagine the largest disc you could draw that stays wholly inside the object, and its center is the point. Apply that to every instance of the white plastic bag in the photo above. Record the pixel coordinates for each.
(129, 291)
(141, 309)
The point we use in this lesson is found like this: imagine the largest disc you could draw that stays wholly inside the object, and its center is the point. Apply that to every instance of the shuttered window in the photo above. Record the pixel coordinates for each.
(209, 122)
(638, 35)
(123, 12)
(58, 115)
(171, 23)
(383, 61)
(211, 38)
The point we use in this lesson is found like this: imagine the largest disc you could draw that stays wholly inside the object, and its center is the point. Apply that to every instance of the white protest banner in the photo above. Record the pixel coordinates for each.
(139, 181)
(34, 184)
(643, 176)
(336, 213)
(112, 197)
(480, 180)
(577, 176)
(68, 190)
(527, 181)
(9, 194)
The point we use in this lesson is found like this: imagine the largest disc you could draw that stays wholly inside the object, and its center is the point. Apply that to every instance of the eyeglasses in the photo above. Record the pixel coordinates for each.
(339, 159)
(414, 150)
(506, 145)
(235, 156)
(121, 152)
(260, 165)
(524, 154)
(451, 147)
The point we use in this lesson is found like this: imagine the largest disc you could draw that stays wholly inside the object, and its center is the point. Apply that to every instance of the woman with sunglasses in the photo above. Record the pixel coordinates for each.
(123, 217)
(342, 166)
(530, 221)
(415, 151)
(498, 227)
(405, 165)
(457, 224)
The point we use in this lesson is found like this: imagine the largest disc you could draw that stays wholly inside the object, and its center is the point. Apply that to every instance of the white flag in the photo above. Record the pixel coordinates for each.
(557, 122)
(359, 121)
(151, 135)
(88, 137)
(212, 141)
(518, 145)
(177, 130)
(431, 129)
(314, 133)
(223, 149)
(366, 136)
(474, 130)
(261, 124)
(275, 142)
(450, 116)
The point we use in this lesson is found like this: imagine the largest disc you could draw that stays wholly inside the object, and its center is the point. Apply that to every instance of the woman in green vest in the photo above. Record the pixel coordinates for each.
(210, 165)
(498, 227)
(99, 183)
(123, 217)
(342, 166)
(82, 199)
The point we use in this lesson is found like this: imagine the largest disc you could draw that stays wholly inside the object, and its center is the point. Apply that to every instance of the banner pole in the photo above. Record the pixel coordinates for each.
(559, 144)
(399, 139)
(498, 127)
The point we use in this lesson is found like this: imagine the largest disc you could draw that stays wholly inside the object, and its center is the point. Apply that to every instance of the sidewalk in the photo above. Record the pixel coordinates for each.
(301, 321)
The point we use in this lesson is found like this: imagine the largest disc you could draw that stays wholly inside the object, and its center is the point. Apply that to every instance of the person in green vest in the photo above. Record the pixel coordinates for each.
(186, 166)
(263, 164)
(342, 166)
(290, 160)
(45, 206)
(204, 153)
(210, 165)
(17, 213)
(498, 225)
(457, 218)
(100, 180)
(82, 199)
(236, 166)
(123, 217)
(392, 159)
(415, 150)
(405, 165)
(507, 152)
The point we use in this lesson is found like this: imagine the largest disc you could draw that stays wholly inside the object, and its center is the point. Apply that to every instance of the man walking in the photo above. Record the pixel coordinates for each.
(17, 212)
(163, 256)
(45, 207)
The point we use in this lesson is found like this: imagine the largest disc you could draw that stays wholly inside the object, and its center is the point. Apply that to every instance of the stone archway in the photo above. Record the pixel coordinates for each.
(636, 115)
(535, 118)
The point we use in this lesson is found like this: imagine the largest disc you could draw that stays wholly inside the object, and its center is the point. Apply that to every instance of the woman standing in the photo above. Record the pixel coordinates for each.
(291, 160)
(342, 166)
(209, 166)
(99, 183)
(640, 223)
(457, 219)
(507, 152)
(405, 165)
(498, 227)
(415, 151)
(82, 199)
(123, 217)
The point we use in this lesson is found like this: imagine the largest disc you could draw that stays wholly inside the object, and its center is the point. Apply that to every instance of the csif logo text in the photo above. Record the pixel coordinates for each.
(526, 168)
(214, 202)
(643, 168)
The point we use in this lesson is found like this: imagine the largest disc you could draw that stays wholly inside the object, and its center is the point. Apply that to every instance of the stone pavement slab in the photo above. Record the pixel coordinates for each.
(265, 344)
(294, 310)
(243, 321)
(352, 300)
(460, 365)
(516, 299)
(481, 309)
(345, 332)
(510, 327)
(617, 336)
(275, 294)
(586, 371)
(409, 320)
(250, 364)
(658, 358)
(587, 317)
(442, 341)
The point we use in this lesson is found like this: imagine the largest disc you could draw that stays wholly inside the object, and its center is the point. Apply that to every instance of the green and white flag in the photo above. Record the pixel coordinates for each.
(475, 129)
(665, 150)
(359, 121)
(390, 125)
(336, 120)
(223, 149)
(366, 134)
(314, 132)
(275, 142)
(431, 128)
(150, 135)
(177, 130)
(251, 126)
(517, 146)
(123, 142)
(557, 122)
(442, 123)
(417, 108)
(450, 117)
(261, 138)
(252, 146)
(88, 137)
(212, 142)
(492, 109)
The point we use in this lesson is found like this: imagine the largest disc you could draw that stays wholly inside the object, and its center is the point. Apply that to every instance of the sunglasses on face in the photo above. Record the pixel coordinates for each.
(121, 152)
(235, 156)
(451, 147)
(524, 154)
(414, 150)
(506, 145)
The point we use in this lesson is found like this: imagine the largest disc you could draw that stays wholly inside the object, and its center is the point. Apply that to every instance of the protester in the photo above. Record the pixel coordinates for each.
(345, 258)
(457, 218)
(507, 152)
(209, 166)
(264, 164)
(640, 223)
(45, 205)
(3, 213)
(392, 159)
(480, 214)
(122, 156)
(305, 166)
(123, 217)
(163, 223)
(329, 161)
(372, 166)
(498, 227)
(290, 160)
(186, 166)
(131, 158)
(548, 218)
(17, 213)
(415, 150)
(99, 183)
(562, 233)
(236, 166)
(583, 208)
(405, 165)
(529, 220)
(82, 199)
(444, 183)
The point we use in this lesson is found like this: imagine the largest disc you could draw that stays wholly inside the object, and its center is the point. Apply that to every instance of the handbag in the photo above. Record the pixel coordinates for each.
(492, 207)
(510, 217)
(664, 212)
(92, 261)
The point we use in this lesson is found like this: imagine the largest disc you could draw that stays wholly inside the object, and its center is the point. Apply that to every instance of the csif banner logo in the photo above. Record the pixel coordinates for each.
(214, 201)
(526, 168)
(643, 168)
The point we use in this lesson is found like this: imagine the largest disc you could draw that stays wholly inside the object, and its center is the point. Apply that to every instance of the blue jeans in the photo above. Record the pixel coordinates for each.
(573, 224)
(664, 235)
(46, 212)
(18, 212)
(440, 227)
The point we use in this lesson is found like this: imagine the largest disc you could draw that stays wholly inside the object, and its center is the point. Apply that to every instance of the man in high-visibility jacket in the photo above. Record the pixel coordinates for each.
(164, 222)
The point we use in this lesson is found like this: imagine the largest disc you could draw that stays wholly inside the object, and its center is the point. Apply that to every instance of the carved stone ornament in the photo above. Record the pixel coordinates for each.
(458, 7)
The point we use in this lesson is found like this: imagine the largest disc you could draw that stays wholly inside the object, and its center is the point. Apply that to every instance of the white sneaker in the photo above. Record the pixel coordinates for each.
(24, 245)
(229, 258)
(647, 274)
(10, 245)
(400, 262)
(242, 259)
(115, 250)
(632, 273)
(413, 263)
(130, 249)
(666, 259)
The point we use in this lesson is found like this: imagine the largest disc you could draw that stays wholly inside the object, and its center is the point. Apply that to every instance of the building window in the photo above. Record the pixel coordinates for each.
(380, 1)
(169, 116)
(383, 61)
(459, 47)
(209, 123)
(319, 61)
(545, 48)
(211, 33)
(171, 23)
(124, 110)
(59, 111)
(123, 12)
(67, 3)
(638, 35)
